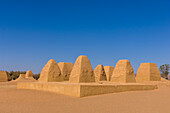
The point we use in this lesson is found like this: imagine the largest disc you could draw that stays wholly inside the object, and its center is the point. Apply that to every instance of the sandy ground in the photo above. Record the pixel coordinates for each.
(14, 100)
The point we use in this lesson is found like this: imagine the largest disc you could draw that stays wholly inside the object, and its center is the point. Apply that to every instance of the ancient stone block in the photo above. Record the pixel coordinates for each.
(148, 72)
(65, 69)
(3, 76)
(51, 72)
(82, 71)
(123, 72)
(100, 74)
(108, 71)
(29, 74)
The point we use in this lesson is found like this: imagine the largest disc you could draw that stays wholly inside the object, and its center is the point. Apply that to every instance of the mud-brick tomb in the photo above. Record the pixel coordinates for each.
(80, 80)
(3, 76)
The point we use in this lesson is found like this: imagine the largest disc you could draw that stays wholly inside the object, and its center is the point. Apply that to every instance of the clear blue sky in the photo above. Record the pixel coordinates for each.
(34, 31)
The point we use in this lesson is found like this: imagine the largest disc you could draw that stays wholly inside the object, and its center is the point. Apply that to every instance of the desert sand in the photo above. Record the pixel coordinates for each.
(13, 100)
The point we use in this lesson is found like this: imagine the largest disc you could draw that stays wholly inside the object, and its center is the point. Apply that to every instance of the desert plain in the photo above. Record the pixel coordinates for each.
(13, 100)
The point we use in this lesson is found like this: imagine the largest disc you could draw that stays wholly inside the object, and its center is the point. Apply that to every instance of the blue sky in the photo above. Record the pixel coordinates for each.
(32, 32)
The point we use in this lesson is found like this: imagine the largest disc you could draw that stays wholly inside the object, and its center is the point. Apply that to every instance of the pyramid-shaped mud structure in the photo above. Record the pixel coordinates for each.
(148, 72)
(65, 69)
(123, 72)
(29, 74)
(3, 76)
(109, 72)
(51, 72)
(100, 74)
(82, 71)
(21, 77)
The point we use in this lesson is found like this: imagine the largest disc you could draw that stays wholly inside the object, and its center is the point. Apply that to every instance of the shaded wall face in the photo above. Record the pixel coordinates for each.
(109, 71)
(148, 72)
(68, 69)
(65, 69)
(99, 73)
(154, 73)
(44, 73)
(130, 75)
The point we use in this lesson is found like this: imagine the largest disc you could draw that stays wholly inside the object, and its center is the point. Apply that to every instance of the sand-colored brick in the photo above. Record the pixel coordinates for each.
(148, 72)
(100, 74)
(51, 72)
(109, 72)
(82, 71)
(123, 72)
(65, 69)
